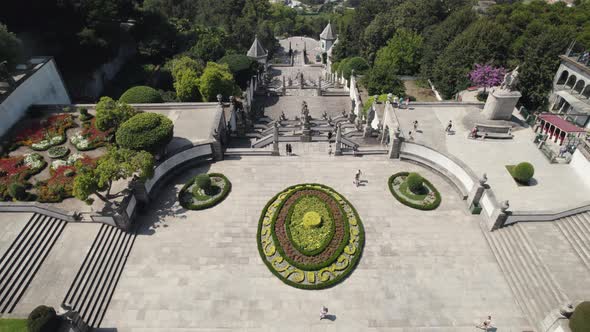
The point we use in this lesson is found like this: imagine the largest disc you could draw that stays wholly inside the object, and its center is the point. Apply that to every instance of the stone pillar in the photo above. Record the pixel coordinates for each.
(338, 140)
(396, 145)
(275, 140)
(499, 218)
(500, 104)
(319, 86)
(477, 191)
(284, 87)
(140, 192)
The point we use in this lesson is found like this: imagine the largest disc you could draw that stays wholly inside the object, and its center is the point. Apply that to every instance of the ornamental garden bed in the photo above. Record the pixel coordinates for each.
(90, 137)
(204, 191)
(310, 236)
(423, 196)
(45, 133)
(62, 173)
(17, 171)
(58, 152)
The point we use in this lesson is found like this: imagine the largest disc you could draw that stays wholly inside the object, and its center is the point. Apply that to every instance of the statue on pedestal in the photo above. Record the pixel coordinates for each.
(510, 80)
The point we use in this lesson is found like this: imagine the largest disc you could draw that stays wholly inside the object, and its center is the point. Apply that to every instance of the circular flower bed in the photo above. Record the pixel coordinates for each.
(192, 197)
(310, 237)
(57, 152)
(423, 197)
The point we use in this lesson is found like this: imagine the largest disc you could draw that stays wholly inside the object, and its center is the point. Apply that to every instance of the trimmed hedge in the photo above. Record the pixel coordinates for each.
(43, 319)
(580, 320)
(145, 131)
(404, 201)
(332, 282)
(203, 181)
(141, 95)
(523, 172)
(208, 204)
(415, 183)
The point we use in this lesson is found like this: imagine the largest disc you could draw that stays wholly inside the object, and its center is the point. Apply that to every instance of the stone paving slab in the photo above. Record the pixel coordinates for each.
(11, 225)
(201, 271)
(52, 281)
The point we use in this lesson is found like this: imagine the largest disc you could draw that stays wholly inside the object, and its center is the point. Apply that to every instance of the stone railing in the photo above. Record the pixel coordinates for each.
(35, 207)
(546, 215)
(461, 176)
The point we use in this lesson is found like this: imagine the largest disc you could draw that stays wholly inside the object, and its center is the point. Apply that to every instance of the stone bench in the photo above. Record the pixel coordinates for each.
(491, 131)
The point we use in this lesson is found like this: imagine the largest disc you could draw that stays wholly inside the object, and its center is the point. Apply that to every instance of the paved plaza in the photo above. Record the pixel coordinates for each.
(557, 185)
(201, 271)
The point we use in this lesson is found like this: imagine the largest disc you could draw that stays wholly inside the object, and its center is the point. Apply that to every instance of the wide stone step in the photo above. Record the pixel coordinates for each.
(532, 284)
(25, 256)
(575, 234)
(94, 285)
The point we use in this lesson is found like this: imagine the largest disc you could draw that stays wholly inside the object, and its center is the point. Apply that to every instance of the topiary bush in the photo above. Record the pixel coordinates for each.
(18, 191)
(580, 320)
(141, 95)
(191, 198)
(43, 319)
(523, 172)
(415, 183)
(203, 181)
(145, 131)
(428, 199)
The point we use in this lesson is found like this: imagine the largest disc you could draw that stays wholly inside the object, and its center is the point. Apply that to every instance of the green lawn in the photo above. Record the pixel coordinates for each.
(13, 325)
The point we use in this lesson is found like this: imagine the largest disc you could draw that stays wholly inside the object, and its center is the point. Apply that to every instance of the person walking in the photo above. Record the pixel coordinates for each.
(323, 312)
(449, 126)
(411, 136)
(287, 148)
(416, 125)
(330, 150)
(329, 136)
(486, 324)
(357, 178)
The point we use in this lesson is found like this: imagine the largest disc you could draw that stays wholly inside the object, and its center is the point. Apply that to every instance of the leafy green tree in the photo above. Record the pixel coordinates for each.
(208, 48)
(358, 64)
(187, 86)
(241, 67)
(483, 42)
(437, 38)
(402, 53)
(10, 47)
(116, 164)
(217, 79)
(110, 113)
(380, 81)
(179, 65)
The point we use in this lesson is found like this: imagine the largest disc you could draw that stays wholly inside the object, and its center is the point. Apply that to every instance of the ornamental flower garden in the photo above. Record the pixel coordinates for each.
(42, 142)
(412, 190)
(310, 236)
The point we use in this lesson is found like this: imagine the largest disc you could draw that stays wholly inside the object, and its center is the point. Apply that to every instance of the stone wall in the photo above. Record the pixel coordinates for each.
(581, 165)
(44, 86)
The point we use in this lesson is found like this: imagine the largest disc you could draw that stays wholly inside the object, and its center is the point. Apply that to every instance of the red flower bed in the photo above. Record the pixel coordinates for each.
(55, 125)
(95, 136)
(13, 170)
(60, 185)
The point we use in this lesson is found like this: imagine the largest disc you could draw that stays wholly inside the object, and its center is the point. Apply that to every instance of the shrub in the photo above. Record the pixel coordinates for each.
(56, 152)
(141, 95)
(415, 183)
(43, 319)
(187, 202)
(425, 206)
(523, 172)
(145, 131)
(84, 115)
(358, 64)
(580, 320)
(17, 191)
(241, 67)
(203, 181)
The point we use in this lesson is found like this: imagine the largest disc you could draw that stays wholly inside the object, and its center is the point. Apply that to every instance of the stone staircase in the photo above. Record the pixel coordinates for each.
(576, 229)
(22, 260)
(533, 286)
(95, 282)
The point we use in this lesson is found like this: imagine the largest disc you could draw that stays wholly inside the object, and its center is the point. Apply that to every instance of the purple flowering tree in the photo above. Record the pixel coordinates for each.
(487, 76)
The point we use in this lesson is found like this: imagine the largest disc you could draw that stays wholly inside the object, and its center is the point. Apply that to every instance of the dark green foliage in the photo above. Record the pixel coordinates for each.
(110, 113)
(402, 199)
(145, 131)
(190, 205)
(358, 64)
(43, 319)
(241, 67)
(141, 95)
(523, 172)
(84, 115)
(10, 48)
(580, 320)
(415, 183)
(380, 81)
(17, 191)
(203, 181)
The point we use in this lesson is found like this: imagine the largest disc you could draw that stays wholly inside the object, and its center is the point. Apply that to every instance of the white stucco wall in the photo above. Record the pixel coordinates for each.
(45, 86)
(581, 166)
(487, 204)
